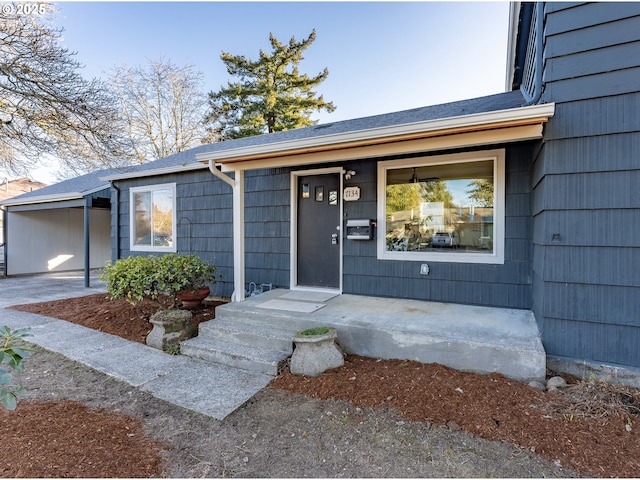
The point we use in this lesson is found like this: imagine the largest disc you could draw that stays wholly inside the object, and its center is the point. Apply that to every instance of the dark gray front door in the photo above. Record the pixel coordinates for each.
(318, 231)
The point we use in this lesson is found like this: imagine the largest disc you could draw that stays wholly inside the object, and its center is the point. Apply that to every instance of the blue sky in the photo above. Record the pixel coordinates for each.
(381, 56)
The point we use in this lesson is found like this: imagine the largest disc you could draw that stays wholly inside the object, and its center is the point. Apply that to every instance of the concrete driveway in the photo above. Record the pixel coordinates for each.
(48, 286)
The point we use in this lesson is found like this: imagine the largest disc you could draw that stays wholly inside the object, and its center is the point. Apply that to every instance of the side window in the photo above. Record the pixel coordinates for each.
(153, 218)
(446, 208)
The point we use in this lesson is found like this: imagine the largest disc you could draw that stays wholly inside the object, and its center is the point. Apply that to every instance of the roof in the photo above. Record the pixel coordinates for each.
(192, 159)
(19, 186)
(71, 189)
(187, 160)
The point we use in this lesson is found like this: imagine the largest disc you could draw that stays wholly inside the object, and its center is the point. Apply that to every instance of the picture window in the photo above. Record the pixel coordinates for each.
(443, 208)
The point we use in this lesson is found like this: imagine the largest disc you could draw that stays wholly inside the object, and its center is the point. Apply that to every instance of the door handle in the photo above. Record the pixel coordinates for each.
(334, 239)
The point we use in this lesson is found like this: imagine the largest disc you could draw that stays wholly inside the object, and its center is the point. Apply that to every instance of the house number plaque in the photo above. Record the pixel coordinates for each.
(351, 194)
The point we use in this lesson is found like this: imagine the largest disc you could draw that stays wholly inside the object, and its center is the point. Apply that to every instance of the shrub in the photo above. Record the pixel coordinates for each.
(148, 277)
(13, 357)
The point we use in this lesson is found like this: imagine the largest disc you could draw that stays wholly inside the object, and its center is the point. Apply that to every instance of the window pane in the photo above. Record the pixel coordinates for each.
(440, 208)
(162, 218)
(142, 226)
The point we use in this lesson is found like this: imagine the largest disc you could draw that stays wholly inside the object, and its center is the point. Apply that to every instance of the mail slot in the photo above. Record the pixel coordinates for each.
(360, 229)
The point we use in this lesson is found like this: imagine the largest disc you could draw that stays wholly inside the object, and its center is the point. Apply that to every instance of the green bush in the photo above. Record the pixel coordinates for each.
(13, 357)
(148, 277)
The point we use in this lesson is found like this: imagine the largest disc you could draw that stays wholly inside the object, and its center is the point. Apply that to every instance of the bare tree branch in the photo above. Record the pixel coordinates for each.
(46, 108)
(163, 106)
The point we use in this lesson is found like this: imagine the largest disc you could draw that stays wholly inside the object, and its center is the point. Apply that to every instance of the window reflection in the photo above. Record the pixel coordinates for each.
(153, 217)
(441, 208)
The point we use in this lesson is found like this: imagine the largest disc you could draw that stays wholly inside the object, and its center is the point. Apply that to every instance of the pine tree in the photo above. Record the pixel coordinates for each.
(270, 95)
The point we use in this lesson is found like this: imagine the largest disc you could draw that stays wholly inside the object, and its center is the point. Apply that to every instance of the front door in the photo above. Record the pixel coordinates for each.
(318, 231)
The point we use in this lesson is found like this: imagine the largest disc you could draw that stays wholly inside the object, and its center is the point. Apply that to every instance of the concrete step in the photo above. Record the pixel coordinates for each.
(250, 314)
(236, 355)
(249, 333)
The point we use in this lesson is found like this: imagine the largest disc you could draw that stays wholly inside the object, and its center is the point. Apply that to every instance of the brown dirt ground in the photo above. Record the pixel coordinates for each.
(369, 418)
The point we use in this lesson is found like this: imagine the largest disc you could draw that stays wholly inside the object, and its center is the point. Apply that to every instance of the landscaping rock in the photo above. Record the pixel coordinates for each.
(556, 382)
(538, 385)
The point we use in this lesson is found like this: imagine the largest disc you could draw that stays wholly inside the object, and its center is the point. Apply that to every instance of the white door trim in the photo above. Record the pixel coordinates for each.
(293, 224)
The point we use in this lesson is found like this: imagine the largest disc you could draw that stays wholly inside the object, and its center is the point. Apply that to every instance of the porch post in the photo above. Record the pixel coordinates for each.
(237, 186)
(238, 236)
(87, 243)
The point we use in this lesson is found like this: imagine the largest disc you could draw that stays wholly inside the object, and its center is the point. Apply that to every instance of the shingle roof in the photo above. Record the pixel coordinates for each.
(491, 103)
(92, 181)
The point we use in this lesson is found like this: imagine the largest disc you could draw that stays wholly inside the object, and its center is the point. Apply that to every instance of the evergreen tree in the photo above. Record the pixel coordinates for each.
(270, 95)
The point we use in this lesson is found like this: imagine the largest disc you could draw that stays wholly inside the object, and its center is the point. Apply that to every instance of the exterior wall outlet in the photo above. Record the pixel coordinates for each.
(424, 269)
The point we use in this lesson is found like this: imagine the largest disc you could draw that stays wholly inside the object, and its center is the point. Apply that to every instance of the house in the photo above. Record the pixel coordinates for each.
(538, 186)
(8, 189)
(65, 226)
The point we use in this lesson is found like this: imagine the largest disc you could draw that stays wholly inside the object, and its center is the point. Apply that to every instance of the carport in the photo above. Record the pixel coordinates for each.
(62, 227)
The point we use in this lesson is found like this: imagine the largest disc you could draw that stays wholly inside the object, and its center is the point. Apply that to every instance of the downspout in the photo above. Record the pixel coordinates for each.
(539, 42)
(237, 185)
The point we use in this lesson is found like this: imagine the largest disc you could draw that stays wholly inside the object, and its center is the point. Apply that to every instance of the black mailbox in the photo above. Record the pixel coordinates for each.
(360, 229)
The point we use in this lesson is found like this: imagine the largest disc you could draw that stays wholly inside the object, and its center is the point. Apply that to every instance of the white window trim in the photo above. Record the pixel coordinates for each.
(496, 257)
(132, 214)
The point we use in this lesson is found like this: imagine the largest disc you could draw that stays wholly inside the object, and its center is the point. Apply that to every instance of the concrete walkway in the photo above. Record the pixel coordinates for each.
(203, 387)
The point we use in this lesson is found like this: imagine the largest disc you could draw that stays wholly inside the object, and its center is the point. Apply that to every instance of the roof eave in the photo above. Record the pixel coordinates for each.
(57, 197)
(54, 197)
(154, 172)
(447, 126)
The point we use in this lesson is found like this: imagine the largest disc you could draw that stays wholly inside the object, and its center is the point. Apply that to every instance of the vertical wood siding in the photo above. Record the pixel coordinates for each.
(586, 201)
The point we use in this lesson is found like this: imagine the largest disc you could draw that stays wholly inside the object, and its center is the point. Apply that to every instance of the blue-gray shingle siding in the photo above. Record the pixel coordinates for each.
(586, 200)
(204, 216)
(507, 285)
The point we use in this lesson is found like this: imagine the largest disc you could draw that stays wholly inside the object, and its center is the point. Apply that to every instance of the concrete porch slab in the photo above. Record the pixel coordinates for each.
(464, 337)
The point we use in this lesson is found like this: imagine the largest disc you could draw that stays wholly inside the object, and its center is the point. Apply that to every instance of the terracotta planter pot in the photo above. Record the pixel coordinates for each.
(192, 300)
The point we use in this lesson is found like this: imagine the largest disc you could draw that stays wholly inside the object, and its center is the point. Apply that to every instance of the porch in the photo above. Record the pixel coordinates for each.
(464, 337)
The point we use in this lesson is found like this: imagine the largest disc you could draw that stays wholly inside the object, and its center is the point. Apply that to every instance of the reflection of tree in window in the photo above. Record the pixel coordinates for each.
(453, 198)
(162, 218)
(436, 191)
(154, 218)
(143, 218)
(162, 223)
(481, 192)
(402, 197)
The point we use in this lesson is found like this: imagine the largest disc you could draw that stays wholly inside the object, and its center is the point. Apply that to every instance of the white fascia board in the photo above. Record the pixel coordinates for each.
(54, 197)
(57, 197)
(154, 172)
(453, 123)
